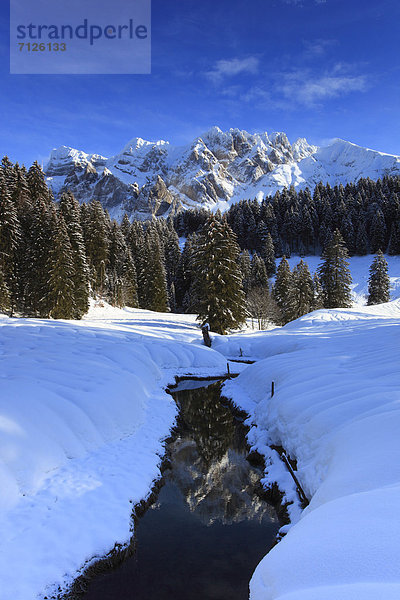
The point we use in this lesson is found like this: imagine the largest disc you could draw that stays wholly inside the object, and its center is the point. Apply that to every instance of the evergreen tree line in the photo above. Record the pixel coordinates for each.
(296, 293)
(366, 213)
(225, 286)
(53, 256)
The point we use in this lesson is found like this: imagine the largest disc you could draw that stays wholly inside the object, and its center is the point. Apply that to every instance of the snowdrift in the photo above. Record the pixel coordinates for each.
(336, 410)
(82, 417)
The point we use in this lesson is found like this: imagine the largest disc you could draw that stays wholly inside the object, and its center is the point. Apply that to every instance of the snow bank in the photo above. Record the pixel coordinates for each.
(82, 417)
(336, 410)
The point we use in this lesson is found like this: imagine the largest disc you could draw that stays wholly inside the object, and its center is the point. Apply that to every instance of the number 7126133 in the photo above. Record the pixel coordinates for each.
(42, 47)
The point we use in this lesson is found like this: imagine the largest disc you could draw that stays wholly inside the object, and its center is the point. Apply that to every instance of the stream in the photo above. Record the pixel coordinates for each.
(209, 527)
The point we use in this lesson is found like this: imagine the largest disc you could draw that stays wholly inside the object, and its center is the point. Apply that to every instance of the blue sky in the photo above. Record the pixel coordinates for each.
(311, 68)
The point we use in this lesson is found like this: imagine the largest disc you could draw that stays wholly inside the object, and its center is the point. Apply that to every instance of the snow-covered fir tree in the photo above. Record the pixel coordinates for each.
(171, 259)
(70, 211)
(41, 244)
(378, 282)
(258, 273)
(122, 281)
(184, 292)
(378, 232)
(218, 287)
(301, 294)
(153, 277)
(394, 240)
(268, 255)
(245, 268)
(282, 290)
(96, 229)
(318, 301)
(10, 237)
(5, 303)
(37, 185)
(59, 300)
(361, 245)
(334, 274)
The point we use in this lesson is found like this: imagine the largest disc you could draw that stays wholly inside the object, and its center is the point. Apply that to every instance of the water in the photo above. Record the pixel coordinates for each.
(208, 528)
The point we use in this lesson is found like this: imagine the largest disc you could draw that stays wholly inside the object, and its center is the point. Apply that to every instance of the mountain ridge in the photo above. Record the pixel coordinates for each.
(214, 171)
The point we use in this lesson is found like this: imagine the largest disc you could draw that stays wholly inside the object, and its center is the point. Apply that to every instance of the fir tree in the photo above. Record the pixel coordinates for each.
(122, 272)
(282, 289)
(394, 240)
(301, 295)
(126, 227)
(184, 275)
(258, 273)
(70, 210)
(218, 282)
(334, 274)
(153, 277)
(378, 283)
(361, 246)
(37, 185)
(136, 245)
(378, 232)
(10, 235)
(318, 301)
(25, 213)
(268, 255)
(96, 240)
(5, 303)
(172, 255)
(245, 268)
(9, 176)
(41, 244)
(60, 299)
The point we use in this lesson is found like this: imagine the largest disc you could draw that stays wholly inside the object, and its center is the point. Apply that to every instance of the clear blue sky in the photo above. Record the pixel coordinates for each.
(312, 68)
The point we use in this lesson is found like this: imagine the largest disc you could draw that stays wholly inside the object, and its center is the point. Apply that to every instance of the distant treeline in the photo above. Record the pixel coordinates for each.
(366, 213)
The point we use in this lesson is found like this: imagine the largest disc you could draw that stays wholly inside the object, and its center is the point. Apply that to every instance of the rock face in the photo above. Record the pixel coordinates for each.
(219, 168)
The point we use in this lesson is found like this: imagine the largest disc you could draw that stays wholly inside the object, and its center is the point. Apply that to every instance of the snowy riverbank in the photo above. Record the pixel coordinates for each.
(336, 411)
(82, 418)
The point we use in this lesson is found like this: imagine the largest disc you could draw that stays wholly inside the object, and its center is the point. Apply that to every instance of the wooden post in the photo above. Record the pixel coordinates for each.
(300, 490)
(228, 369)
(272, 388)
(206, 336)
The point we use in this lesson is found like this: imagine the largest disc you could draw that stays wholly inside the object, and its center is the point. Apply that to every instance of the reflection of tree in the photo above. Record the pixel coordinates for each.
(207, 421)
(209, 463)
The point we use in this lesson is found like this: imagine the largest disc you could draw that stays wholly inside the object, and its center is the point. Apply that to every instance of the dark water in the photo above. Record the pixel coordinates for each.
(208, 529)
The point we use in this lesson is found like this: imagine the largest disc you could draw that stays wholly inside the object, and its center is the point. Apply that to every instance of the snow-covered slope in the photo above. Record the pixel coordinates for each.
(82, 418)
(336, 410)
(83, 414)
(215, 170)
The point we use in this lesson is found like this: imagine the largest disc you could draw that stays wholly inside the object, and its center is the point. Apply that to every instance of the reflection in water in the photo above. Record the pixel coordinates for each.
(208, 529)
(209, 464)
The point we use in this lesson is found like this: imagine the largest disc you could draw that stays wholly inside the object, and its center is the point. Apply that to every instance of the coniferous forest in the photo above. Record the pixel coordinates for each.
(55, 255)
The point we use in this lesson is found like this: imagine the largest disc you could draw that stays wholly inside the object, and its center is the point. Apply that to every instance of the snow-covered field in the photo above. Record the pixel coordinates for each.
(336, 409)
(82, 418)
(83, 413)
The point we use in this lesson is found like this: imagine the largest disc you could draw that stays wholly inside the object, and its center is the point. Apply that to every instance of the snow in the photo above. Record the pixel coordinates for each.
(83, 413)
(336, 411)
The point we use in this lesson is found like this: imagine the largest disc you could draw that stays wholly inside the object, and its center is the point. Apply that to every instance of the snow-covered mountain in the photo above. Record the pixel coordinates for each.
(217, 169)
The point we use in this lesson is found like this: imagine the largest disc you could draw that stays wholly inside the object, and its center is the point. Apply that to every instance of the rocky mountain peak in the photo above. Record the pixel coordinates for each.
(217, 169)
